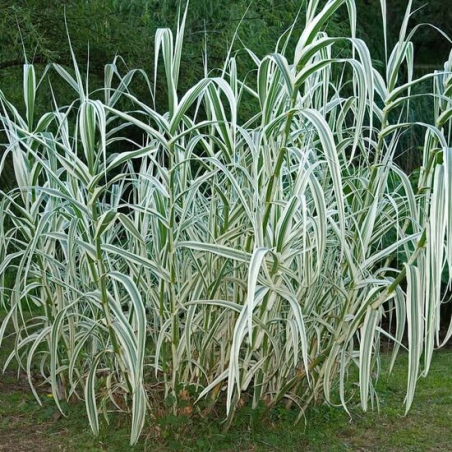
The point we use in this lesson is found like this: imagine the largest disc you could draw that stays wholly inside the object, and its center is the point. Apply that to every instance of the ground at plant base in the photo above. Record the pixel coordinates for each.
(25, 426)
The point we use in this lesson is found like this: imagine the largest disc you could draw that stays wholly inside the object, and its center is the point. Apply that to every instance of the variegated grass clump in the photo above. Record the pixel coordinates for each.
(247, 258)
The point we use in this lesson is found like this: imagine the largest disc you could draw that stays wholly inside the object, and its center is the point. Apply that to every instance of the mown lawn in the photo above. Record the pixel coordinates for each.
(25, 426)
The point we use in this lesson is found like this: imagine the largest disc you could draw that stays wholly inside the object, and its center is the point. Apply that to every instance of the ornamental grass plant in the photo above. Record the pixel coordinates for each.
(215, 260)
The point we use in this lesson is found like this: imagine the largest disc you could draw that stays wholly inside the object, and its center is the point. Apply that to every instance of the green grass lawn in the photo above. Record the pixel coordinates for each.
(25, 426)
